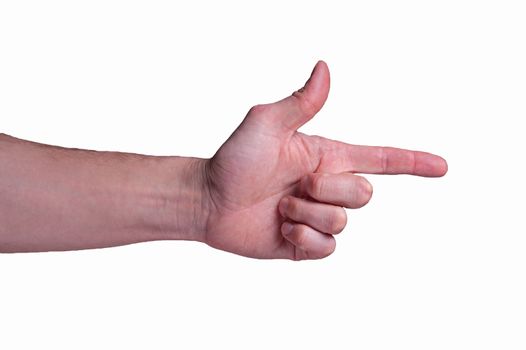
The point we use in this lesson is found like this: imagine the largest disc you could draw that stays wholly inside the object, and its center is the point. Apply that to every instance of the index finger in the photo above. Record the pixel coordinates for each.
(339, 157)
(390, 160)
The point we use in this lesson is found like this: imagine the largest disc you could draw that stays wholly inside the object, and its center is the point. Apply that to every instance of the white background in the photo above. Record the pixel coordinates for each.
(428, 264)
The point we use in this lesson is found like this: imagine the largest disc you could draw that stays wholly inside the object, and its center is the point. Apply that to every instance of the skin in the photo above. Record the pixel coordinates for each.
(269, 191)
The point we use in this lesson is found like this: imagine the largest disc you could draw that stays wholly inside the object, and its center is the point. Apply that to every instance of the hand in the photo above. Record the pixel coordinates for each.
(277, 193)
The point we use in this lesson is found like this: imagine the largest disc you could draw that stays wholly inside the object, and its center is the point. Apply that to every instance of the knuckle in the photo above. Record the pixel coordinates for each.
(384, 159)
(258, 109)
(305, 104)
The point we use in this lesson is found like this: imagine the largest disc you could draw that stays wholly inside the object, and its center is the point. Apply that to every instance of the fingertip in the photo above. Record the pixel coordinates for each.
(297, 109)
(322, 69)
(440, 167)
(444, 167)
(322, 64)
(332, 246)
(430, 165)
(368, 188)
(319, 81)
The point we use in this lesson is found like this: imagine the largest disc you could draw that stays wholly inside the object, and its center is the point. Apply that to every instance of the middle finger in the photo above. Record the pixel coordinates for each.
(344, 189)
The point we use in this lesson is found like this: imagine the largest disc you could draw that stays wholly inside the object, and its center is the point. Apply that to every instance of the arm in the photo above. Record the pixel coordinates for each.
(54, 198)
(268, 192)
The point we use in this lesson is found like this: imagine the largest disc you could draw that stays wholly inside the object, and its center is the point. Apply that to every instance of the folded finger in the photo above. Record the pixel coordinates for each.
(345, 189)
(307, 242)
(323, 217)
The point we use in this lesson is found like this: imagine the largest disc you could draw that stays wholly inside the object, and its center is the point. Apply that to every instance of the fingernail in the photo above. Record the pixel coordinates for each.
(314, 69)
(311, 75)
(302, 89)
(286, 228)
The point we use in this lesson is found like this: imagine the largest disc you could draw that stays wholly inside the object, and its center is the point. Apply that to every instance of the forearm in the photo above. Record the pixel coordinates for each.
(54, 198)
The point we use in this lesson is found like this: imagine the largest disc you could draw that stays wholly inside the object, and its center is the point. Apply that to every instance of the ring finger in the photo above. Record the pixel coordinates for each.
(323, 217)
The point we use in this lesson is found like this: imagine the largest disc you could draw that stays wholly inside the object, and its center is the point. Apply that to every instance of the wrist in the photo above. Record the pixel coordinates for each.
(182, 204)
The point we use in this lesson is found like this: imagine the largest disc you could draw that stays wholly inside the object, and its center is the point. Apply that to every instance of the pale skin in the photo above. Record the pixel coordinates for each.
(268, 192)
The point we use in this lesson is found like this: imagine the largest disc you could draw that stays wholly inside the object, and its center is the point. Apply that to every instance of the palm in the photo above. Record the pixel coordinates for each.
(264, 161)
(251, 173)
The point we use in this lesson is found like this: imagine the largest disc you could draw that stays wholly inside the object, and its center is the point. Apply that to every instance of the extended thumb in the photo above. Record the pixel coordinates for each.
(297, 109)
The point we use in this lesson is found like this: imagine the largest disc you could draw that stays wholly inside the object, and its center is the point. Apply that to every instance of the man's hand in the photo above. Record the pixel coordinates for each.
(277, 193)
(269, 192)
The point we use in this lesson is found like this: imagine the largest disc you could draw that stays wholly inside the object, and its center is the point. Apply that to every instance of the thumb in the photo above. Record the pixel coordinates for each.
(297, 109)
